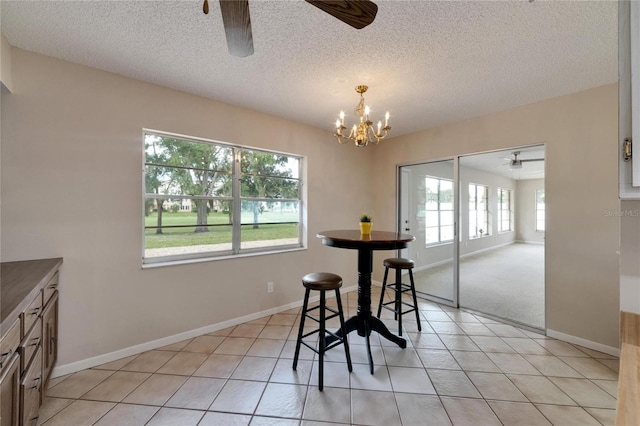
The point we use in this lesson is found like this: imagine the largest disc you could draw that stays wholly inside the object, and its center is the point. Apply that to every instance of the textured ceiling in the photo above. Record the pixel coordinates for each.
(427, 62)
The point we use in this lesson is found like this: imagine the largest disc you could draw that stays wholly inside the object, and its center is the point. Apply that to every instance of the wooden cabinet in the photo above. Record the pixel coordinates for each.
(28, 340)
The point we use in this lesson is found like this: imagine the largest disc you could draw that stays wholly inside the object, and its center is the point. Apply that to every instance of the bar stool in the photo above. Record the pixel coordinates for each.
(322, 282)
(399, 287)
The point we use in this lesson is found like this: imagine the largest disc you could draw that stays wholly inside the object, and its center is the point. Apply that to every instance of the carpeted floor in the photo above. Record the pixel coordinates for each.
(507, 283)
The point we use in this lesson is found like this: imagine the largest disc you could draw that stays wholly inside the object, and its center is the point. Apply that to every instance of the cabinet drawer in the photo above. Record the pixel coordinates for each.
(9, 344)
(31, 343)
(50, 289)
(30, 389)
(31, 314)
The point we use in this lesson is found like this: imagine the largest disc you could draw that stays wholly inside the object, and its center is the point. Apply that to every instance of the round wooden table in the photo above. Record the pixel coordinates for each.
(364, 323)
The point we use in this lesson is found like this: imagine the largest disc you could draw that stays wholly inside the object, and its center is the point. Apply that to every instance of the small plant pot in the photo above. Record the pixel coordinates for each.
(365, 228)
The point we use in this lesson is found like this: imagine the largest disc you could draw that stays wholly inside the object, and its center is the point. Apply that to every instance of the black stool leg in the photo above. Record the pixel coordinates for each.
(302, 317)
(415, 300)
(344, 331)
(398, 310)
(384, 286)
(321, 342)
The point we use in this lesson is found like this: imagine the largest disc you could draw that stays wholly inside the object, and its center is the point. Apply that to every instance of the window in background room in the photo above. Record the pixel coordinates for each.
(439, 221)
(478, 211)
(205, 199)
(504, 210)
(540, 210)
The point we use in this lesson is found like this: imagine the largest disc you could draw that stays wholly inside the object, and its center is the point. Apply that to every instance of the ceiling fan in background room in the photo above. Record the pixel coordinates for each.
(516, 163)
(237, 21)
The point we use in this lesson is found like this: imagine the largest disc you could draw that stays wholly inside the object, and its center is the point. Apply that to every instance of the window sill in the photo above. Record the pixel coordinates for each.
(218, 258)
(433, 245)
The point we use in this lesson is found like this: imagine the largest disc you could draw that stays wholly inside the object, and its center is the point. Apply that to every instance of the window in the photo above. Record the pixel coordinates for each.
(206, 199)
(438, 210)
(540, 210)
(478, 211)
(504, 210)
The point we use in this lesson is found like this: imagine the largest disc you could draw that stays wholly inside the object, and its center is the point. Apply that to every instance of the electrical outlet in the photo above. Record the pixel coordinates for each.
(270, 287)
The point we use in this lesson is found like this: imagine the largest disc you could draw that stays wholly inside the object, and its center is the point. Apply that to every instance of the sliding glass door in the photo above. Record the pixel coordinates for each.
(479, 227)
(427, 210)
(501, 261)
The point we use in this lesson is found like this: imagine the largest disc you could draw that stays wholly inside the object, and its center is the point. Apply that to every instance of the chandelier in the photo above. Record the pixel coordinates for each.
(362, 133)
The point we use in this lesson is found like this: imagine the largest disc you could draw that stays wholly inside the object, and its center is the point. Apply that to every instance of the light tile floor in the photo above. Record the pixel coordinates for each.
(461, 369)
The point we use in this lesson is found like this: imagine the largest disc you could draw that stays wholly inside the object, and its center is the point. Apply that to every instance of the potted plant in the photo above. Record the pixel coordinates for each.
(365, 224)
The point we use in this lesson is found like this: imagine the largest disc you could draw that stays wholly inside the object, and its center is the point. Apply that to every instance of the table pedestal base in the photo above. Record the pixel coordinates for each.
(364, 329)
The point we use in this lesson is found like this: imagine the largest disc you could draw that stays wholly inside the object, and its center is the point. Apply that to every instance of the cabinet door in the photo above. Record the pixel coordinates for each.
(10, 392)
(629, 97)
(31, 390)
(49, 336)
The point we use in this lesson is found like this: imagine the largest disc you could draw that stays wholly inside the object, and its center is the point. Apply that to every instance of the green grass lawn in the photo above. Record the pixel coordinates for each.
(221, 233)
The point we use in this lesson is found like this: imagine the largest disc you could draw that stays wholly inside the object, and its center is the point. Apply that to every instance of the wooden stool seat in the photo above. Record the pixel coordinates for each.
(395, 306)
(322, 282)
(399, 263)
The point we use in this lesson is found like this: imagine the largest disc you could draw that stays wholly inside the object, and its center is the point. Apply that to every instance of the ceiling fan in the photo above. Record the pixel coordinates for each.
(237, 22)
(516, 163)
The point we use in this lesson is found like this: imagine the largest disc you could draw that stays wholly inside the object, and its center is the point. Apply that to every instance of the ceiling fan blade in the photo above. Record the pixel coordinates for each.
(237, 27)
(357, 13)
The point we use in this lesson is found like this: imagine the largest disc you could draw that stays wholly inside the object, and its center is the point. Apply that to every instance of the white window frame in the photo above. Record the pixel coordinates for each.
(540, 212)
(474, 230)
(236, 198)
(505, 214)
(439, 210)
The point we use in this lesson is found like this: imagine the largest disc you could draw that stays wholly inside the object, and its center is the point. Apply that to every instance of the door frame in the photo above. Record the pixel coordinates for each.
(456, 216)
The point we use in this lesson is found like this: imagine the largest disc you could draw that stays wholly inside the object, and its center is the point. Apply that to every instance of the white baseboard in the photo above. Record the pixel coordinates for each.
(610, 350)
(73, 367)
(462, 256)
(429, 266)
(540, 243)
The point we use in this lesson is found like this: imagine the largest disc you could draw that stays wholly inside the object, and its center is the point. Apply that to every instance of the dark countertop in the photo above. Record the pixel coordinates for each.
(20, 283)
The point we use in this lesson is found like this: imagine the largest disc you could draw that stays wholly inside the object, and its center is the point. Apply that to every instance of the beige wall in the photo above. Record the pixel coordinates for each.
(71, 187)
(580, 133)
(526, 211)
